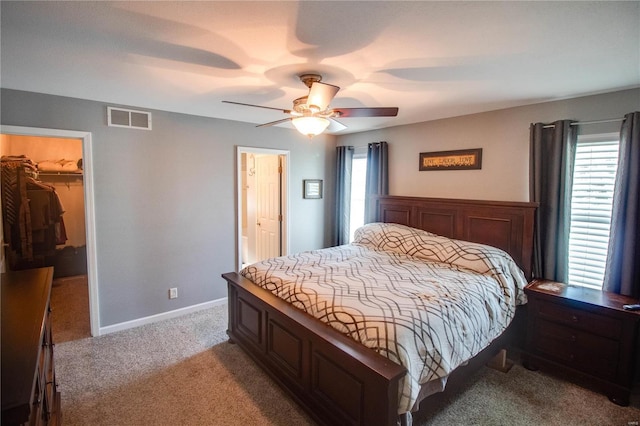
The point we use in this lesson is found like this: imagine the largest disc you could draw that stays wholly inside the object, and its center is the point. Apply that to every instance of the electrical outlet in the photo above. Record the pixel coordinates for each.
(173, 293)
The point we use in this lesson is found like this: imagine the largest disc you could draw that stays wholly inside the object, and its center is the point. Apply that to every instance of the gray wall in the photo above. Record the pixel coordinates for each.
(165, 199)
(504, 137)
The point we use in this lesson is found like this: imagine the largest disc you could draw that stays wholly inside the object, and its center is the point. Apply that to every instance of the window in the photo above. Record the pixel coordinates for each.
(358, 183)
(591, 200)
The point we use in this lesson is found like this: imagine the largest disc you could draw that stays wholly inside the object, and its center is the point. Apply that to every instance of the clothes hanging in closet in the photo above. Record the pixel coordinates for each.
(32, 214)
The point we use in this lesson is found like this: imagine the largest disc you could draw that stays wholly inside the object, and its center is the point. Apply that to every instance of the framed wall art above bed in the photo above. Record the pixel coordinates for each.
(462, 159)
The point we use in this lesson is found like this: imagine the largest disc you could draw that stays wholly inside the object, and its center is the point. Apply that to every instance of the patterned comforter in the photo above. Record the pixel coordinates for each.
(427, 302)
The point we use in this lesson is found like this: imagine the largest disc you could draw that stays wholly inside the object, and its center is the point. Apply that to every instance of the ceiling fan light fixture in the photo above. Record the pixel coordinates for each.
(310, 126)
(311, 114)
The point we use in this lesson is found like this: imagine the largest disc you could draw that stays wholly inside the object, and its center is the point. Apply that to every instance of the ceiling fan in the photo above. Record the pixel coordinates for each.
(311, 114)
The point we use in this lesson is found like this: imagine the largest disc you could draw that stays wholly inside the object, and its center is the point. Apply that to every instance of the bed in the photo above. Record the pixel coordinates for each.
(340, 367)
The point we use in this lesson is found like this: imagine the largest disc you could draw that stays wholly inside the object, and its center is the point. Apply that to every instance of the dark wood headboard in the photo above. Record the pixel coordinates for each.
(505, 225)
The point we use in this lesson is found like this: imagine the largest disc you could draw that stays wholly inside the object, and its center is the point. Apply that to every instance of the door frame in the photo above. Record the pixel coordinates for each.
(89, 207)
(284, 236)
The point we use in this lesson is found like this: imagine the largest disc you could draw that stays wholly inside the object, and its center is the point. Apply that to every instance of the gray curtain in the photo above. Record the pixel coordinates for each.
(551, 175)
(377, 177)
(622, 274)
(344, 161)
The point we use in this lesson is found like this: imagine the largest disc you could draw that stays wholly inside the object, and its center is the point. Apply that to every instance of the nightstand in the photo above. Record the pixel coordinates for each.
(584, 332)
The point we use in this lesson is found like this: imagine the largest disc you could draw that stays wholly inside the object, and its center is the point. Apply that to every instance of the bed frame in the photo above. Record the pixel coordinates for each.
(335, 379)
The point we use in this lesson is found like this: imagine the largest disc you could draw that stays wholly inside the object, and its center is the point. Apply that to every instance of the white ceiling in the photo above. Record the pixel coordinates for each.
(431, 59)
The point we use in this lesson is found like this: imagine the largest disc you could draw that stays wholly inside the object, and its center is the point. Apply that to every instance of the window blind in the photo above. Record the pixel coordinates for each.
(358, 185)
(591, 199)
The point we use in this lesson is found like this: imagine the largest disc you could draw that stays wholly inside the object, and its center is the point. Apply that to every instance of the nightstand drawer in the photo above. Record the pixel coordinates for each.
(577, 349)
(579, 319)
(586, 332)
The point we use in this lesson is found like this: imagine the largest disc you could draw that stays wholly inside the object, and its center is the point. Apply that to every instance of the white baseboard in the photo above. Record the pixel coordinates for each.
(161, 317)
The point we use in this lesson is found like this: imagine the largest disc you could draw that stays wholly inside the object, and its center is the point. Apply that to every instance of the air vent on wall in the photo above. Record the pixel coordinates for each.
(118, 117)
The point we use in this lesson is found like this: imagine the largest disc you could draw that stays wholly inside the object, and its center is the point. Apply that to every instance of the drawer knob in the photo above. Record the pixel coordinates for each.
(572, 357)
(574, 318)
(573, 338)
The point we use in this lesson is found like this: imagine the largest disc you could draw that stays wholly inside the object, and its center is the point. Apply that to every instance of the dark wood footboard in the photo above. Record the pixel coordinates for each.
(335, 379)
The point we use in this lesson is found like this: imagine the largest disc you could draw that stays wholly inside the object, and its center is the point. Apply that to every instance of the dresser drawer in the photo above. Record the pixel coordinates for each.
(578, 319)
(577, 349)
(37, 411)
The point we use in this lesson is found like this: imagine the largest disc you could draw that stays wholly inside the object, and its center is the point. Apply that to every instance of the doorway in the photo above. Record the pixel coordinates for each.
(262, 204)
(74, 259)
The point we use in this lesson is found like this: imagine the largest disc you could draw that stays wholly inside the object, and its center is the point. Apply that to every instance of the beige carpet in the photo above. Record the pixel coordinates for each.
(183, 372)
(70, 307)
(177, 372)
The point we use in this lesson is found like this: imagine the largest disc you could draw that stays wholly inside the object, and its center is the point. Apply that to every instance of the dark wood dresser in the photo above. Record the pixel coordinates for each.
(584, 332)
(29, 390)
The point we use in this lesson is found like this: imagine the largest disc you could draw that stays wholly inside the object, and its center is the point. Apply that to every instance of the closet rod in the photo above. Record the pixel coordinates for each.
(581, 123)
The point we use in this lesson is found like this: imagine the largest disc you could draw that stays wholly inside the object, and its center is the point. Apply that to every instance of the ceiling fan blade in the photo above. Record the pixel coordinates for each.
(286, 111)
(273, 123)
(367, 112)
(335, 125)
(321, 94)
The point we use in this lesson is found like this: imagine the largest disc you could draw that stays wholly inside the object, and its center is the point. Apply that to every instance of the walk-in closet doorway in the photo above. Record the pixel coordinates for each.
(64, 160)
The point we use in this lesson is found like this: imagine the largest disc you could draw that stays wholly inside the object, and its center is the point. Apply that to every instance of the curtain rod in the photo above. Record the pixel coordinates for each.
(580, 123)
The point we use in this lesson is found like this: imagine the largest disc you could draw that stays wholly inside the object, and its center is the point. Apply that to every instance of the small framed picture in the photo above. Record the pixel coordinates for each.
(312, 188)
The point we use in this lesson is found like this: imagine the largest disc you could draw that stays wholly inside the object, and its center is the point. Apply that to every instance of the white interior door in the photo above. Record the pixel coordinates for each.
(268, 206)
(274, 204)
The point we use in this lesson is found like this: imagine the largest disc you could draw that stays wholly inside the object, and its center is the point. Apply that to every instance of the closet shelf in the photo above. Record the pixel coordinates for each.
(61, 174)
